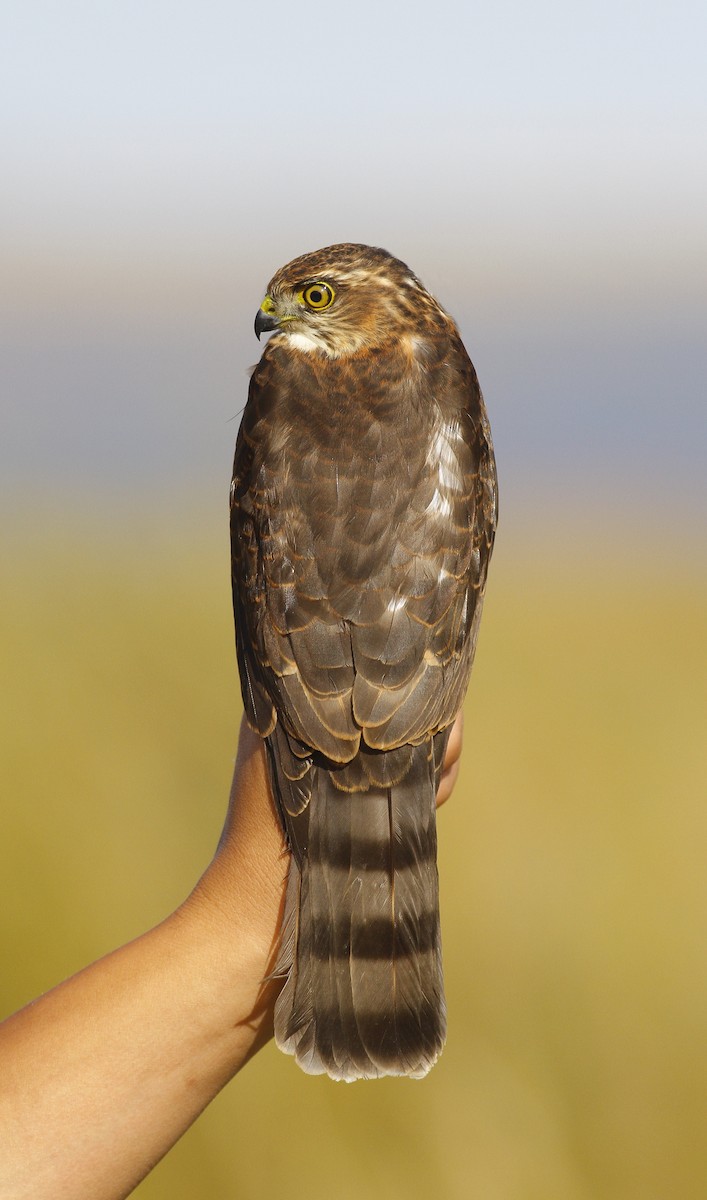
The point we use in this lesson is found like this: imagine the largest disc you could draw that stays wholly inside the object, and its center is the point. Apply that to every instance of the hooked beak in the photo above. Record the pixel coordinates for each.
(265, 319)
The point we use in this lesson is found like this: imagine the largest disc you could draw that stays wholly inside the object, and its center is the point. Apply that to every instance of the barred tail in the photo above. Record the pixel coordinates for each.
(364, 993)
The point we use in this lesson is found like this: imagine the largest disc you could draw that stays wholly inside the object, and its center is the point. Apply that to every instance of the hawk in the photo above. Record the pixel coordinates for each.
(363, 511)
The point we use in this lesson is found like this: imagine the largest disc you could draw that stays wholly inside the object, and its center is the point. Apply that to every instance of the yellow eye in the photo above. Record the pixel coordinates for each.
(318, 296)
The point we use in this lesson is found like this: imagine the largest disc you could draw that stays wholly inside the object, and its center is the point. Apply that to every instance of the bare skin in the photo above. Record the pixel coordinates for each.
(103, 1074)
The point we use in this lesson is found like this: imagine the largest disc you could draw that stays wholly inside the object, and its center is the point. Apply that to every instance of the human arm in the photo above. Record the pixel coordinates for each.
(99, 1077)
(103, 1074)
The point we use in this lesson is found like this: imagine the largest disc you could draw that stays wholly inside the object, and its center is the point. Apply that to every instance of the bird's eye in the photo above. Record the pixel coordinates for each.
(318, 296)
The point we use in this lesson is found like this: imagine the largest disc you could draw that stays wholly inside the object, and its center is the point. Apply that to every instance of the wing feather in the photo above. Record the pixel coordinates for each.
(360, 547)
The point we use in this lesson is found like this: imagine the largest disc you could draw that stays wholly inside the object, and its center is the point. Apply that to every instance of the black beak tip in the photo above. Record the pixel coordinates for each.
(264, 323)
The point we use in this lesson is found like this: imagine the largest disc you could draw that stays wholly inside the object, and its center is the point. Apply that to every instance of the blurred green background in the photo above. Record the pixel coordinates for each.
(544, 170)
(574, 890)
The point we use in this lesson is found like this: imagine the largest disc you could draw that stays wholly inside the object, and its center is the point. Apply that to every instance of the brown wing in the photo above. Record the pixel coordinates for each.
(363, 512)
(413, 664)
(293, 648)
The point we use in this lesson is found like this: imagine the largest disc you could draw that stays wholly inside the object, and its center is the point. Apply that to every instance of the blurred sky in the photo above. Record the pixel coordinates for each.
(542, 167)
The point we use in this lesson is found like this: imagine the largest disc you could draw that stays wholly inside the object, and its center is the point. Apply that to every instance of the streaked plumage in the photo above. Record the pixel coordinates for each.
(363, 509)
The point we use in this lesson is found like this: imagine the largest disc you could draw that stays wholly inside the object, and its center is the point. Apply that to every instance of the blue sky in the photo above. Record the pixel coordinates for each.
(542, 167)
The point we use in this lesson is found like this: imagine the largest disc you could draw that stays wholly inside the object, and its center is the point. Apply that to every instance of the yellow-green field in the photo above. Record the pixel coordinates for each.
(573, 861)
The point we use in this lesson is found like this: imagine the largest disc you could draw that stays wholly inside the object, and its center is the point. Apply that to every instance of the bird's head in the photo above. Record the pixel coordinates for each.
(344, 299)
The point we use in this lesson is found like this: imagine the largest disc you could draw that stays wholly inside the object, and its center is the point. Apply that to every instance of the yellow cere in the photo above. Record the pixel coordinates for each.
(267, 306)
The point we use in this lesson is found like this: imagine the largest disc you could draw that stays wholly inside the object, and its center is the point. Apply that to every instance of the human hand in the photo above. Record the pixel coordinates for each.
(452, 760)
(250, 868)
(252, 837)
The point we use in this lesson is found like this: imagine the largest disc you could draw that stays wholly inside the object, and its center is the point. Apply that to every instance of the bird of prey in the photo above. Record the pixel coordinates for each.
(363, 511)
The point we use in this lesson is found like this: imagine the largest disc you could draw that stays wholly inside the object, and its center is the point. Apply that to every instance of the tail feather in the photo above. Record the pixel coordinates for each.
(364, 993)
